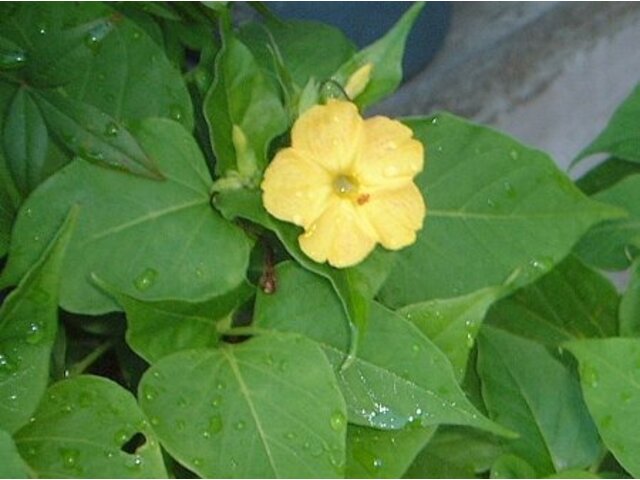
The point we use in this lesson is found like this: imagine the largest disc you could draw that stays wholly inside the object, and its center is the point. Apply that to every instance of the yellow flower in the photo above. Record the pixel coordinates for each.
(348, 182)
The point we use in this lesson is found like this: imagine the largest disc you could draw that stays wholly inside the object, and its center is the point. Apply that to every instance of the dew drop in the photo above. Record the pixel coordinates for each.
(490, 203)
(12, 60)
(135, 462)
(290, 435)
(589, 375)
(109, 454)
(120, 437)
(93, 38)
(221, 385)
(513, 154)
(6, 365)
(215, 424)
(111, 130)
(150, 393)
(175, 112)
(197, 462)
(35, 333)
(338, 421)
(146, 279)
(415, 348)
(390, 171)
(155, 421)
(434, 121)
(68, 408)
(240, 425)
(470, 340)
(216, 401)
(508, 188)
(282, 366)
(69, 457)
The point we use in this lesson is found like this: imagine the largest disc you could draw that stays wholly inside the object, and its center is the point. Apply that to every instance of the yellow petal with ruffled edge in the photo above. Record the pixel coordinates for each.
(348, 182)
(396, 215)
(340, 236)
(330, 135)
(389, 153)
(295, 189)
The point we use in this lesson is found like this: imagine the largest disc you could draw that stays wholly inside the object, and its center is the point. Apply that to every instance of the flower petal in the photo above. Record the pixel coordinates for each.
(389, 153)
(330, 135)
(396, 215)
(295, 189)
(340, 236)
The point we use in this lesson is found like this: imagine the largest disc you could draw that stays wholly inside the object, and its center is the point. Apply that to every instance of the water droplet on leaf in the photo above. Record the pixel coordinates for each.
(12, 60)
(112, 129)
(69, 457)
(146, 279)
(338, 421)
(215, 424)
(35, 333)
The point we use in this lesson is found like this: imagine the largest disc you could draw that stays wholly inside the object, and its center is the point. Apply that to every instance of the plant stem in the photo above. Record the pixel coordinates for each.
(86, 362)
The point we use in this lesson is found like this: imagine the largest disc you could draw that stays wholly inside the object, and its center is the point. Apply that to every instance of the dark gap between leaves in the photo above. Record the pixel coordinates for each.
(134, 443)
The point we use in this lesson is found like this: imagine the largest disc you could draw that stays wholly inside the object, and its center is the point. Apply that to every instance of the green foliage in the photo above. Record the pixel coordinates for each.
(621, 137)
(614, 244)
(610, 379)
(157, 321)
(272, 400)
(529, 391)
(87, 426)
(495, 207)
(28, 325)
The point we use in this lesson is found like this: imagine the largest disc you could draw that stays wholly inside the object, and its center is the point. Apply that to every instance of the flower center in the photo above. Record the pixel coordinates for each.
(345, 185)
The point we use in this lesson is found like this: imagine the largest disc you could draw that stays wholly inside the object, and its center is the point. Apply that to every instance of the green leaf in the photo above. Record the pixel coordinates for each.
(572, 301)
(12, 465)
(152, 240)
(28, 325)
(355, 286)
(610, 378)
(511, 466)
(456, 452)
(629, 311)
(90, 427)
(621, 137)
(375, 453)
(494, 207)
(452, 324)
(386, 55)
(297, 42)
(612, 245)
(102, 59)
(157, 329)
(243, 98)
(532, 393)
(576, 474)
(269, 407)
(92, 135)
(25, 140)
(606, 175)
(383, 387)
(7, 210)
